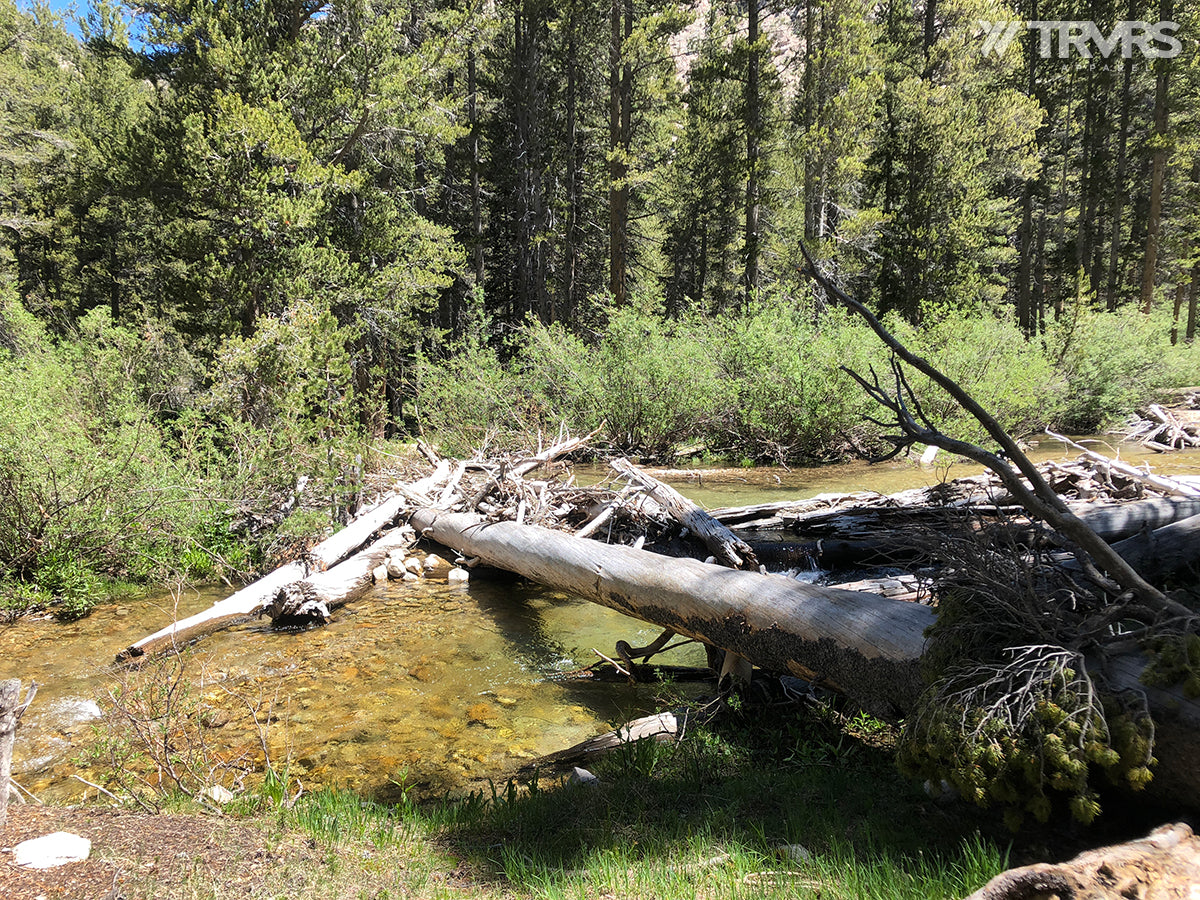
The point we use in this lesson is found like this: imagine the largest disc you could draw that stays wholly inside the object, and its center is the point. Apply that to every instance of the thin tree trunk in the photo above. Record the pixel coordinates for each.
(753, 138)
(1158, 170)
(1114, 248)
(476, 192)
(618, 190)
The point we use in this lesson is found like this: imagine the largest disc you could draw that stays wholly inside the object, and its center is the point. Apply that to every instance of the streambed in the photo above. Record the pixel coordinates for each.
(441, 687)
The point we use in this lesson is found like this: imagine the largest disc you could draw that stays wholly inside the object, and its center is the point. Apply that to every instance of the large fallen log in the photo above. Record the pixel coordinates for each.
(1170, 551)
(1165, 865)
(862, 645)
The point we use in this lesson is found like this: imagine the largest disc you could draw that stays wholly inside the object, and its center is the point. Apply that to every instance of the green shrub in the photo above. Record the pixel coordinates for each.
(652, 383)
(1007, 374)
(1113, 362)
(787, 396)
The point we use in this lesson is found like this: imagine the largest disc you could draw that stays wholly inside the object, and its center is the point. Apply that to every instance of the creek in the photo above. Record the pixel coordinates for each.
(439, 687)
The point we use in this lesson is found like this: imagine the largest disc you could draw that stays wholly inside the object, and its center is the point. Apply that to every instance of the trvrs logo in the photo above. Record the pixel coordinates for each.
(1152, 41)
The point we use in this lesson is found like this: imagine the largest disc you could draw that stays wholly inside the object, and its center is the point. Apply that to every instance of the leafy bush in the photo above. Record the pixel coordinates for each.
(1112, 362)
(1007, 374)
(653, 383)
(787, 396)
(85, 485)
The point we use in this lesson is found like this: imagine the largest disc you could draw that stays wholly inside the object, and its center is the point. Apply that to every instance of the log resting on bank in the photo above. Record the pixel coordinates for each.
(862, 645)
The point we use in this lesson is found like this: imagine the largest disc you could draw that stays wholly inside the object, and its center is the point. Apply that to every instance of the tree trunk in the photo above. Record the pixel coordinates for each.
(1163, 866)
(753, 138)
(1158, 171)
(10, 696)
(476, 191)
(618, 190)
(1165, 553)
(862, 645)
(1114, 248)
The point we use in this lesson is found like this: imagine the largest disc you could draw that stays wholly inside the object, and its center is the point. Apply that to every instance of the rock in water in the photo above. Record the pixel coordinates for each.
(52, 850)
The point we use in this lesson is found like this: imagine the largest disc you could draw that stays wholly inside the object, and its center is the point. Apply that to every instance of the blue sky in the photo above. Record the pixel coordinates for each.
(64, 8)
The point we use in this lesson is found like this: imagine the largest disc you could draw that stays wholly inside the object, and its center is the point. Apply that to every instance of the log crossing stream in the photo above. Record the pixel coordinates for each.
(437, 686)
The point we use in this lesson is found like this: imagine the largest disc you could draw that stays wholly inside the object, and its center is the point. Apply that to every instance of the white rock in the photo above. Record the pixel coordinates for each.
(218, 794)
(436, 566)
(52, 850)
(796, 853)
(409, 576)
(457, 574)
(380, 574)
(582, 776)
(413, 565)
(395, 568)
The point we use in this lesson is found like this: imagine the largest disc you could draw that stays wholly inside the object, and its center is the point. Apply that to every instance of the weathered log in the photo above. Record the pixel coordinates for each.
(243, 604)
(1164, 552)
(662, 727)
(1165, 865)
(312, 599)
(726, 546)
(1158, 482)
(861, 644)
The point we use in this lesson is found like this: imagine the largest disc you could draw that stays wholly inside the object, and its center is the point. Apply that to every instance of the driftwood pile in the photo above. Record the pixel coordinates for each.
(1161, 430)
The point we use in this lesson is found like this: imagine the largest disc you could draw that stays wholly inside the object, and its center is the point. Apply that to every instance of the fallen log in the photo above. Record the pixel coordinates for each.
(1162, 866)
(1170, 551)
(862, 645)
(1158, 482)
(727, 547)
(313, 598)
(244, 604)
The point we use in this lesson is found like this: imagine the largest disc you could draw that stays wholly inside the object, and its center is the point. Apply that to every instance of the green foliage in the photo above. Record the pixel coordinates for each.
(1113, 362)
(786, 395)
(1174, 660)
(651, 382)
(1009, 376)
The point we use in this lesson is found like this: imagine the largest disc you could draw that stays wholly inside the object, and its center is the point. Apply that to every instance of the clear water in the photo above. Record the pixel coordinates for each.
(447, 686)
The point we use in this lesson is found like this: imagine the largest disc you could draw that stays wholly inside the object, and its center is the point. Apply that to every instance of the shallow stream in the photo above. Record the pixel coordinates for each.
(441, 687)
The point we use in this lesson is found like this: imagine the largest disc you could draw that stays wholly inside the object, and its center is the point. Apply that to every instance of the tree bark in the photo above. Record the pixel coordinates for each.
(862, 645)
(753, 140)
(11, 709)
(312, 598)
(10, 694)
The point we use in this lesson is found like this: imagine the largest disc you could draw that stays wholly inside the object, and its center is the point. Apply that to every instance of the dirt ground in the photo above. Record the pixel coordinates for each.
(136, 854)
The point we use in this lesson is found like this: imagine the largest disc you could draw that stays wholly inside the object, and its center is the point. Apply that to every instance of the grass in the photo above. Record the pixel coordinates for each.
(762, 805)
